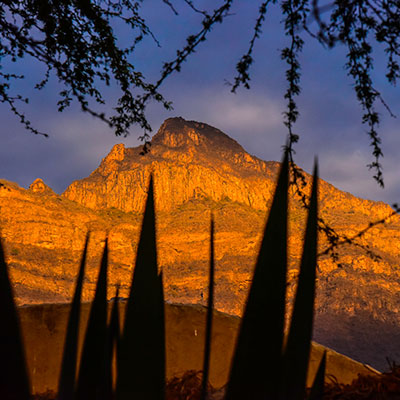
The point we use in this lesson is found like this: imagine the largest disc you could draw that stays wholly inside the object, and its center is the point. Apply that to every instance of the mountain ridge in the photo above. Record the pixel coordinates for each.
(217, 167)
(44, 234)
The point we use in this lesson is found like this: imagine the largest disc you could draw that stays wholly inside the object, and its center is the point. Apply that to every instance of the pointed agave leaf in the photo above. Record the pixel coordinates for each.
(297, 351)
(256, 364)
(14, 382)
(66, 386)
(317, 389)
(141, 369)
(210, 306)
(113, 337)
(91, 370)
(161, 366)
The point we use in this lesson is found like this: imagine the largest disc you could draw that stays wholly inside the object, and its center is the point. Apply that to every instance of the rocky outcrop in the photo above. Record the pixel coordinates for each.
(198, 170)
(38, 186)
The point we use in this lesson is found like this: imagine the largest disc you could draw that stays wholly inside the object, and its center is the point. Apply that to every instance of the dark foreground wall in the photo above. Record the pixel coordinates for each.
(43, 330)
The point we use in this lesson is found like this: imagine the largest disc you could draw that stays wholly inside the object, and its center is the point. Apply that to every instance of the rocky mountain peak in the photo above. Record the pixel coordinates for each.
(177, 132)
(189, 160)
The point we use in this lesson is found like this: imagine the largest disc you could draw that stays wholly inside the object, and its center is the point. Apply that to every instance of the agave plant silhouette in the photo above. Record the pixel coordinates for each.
(265, 365)
(14, 382)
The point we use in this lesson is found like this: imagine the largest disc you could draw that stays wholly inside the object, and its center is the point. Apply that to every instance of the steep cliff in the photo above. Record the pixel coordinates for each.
(198, 170)
(189, 160)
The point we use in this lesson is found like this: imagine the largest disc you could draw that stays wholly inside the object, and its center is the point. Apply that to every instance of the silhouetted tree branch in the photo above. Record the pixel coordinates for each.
(357, 24)
(76, 42)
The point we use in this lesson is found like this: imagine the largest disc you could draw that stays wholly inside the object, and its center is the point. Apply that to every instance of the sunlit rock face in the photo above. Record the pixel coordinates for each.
(189, 160)
(38, 186)
(192, 160)
(199, 170)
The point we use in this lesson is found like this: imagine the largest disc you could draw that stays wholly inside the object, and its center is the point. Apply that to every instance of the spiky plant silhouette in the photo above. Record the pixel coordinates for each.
(265, 365)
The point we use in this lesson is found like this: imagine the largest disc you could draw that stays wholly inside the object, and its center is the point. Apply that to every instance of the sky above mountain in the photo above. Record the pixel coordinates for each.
(330, 117)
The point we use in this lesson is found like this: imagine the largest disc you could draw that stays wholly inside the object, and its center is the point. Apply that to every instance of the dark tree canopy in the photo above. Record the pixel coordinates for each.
(76, 42)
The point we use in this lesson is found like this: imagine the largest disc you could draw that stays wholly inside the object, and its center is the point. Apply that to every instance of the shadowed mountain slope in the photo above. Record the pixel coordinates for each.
(43, 329)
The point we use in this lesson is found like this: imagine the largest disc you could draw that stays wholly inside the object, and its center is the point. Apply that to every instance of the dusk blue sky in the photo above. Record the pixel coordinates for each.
(330, 117)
